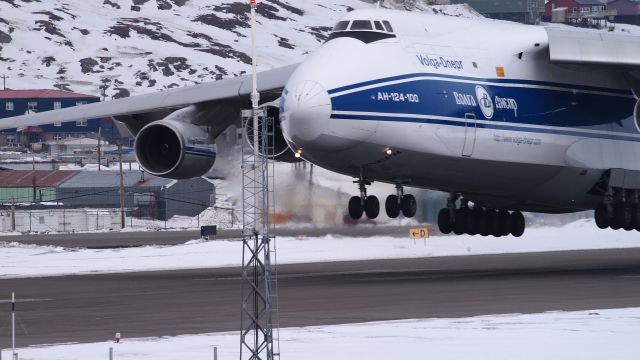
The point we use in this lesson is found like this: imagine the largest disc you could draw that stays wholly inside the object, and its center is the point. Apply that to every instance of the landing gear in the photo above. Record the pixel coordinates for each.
(369, 205)
(479, 220)
(620, 210)
(401, 203)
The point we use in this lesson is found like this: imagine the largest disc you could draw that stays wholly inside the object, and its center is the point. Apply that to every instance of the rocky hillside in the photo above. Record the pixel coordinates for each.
(126, 47)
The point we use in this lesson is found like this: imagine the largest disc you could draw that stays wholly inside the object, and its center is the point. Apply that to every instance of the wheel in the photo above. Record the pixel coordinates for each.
(635, 214)
(444, 221)
(617, 220)
(355, 208)
(517, 224)
(484, 223)
(408, 205)
(505, 222)
(495, 224)
(372, 207)
(392, 206)
(460, 223)
(601, 215)
(473, 216)
(628, 222)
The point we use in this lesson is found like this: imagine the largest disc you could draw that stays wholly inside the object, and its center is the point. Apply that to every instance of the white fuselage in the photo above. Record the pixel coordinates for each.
(464, 106)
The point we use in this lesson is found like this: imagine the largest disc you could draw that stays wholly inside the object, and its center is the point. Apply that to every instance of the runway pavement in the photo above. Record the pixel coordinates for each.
(93, 308)
(133, 239)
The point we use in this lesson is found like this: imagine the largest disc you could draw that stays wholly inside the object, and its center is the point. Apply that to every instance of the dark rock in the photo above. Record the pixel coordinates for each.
(87, 65)
(5, 38)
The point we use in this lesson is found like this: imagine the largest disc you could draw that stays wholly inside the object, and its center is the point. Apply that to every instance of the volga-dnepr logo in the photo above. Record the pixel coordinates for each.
(485, 102)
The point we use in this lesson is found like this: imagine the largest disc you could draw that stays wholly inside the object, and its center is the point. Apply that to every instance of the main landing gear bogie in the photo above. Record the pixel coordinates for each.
(618, 216)
(369, 205)
(479, 221)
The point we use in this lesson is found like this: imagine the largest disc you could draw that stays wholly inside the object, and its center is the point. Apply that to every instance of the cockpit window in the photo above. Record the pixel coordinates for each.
(341, 26)
(361, 25)
(367, 31)
(387, 25)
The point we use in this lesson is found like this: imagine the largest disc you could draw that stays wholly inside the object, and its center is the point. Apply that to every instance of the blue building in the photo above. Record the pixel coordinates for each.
(20, 102)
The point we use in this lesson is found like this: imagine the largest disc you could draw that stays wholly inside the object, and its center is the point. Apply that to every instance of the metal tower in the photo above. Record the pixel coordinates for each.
(259, 289)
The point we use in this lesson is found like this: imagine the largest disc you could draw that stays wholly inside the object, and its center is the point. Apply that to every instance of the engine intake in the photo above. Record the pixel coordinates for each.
(175, 149)
(277, 147)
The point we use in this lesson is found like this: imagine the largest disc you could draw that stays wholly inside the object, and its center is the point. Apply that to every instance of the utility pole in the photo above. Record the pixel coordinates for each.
(4, 81)
(99, 146)
(121, 186)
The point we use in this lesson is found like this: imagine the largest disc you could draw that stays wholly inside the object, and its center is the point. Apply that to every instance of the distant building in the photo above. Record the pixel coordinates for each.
(627, 11)
(146, 196)
(31, 186)
(523, 11)
(587, 13)
(20, 102)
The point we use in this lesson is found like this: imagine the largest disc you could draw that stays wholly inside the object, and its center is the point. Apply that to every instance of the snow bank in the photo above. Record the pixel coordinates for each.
(584, 335)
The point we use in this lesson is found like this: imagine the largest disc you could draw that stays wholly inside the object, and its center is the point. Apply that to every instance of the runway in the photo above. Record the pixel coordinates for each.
(93, 308)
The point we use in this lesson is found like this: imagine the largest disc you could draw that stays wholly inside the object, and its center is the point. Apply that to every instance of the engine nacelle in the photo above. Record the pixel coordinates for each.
(636, 115)
(175, 149)
(277, 148)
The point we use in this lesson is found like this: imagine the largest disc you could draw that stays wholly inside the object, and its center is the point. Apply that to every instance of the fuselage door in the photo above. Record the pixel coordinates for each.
(469, 134)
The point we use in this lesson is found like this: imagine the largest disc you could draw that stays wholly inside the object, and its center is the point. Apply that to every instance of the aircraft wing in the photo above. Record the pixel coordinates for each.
(221, 99)
(588, 47)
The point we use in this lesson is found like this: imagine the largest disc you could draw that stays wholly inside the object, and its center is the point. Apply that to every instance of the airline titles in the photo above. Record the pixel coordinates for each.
(440, 62)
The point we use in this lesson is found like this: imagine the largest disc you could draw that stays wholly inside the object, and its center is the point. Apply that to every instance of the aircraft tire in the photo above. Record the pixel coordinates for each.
(635, 214)
(392, 206)
(444, 221)
(518, 224)
(505, 222)
(628, 222)
(495, 224)
(372, 207)
(601, 215)
(355, 208)
(617, 220)
(460, 224)
(473, 218)
(484, 223)
(408, 205)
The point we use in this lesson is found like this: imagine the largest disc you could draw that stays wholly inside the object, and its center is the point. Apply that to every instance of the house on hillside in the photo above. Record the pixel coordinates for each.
(20, 102)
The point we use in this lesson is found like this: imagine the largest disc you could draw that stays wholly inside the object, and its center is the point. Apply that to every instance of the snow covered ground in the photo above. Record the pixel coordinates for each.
(17, 260)
(584, 335)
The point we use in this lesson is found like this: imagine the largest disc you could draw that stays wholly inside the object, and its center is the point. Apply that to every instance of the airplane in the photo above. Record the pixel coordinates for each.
(505, 117)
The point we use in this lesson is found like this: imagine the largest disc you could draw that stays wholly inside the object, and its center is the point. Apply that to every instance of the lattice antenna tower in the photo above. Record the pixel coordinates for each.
(258, 341)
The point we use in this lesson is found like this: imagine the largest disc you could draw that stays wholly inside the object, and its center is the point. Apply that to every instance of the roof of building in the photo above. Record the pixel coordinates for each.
(24, 178)
(42, 94)
(110, 179)
(592, 2)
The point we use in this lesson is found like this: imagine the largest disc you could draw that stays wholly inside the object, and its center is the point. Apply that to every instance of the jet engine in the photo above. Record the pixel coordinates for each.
(277, 147)
(636, 114)
(175, 149)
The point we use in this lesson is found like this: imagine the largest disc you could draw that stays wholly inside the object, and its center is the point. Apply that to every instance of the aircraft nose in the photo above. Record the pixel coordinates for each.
(307, 109)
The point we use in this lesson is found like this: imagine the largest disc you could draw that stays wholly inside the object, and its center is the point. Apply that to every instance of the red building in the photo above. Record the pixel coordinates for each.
(575, 6)
(628, 11)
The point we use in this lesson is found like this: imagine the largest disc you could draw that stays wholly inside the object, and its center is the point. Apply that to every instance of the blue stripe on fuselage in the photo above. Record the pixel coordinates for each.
(496, 81)
(573, 110)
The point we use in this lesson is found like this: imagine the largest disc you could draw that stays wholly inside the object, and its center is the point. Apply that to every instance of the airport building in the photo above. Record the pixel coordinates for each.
(20, 102)
(146, 196)
(524, 11)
